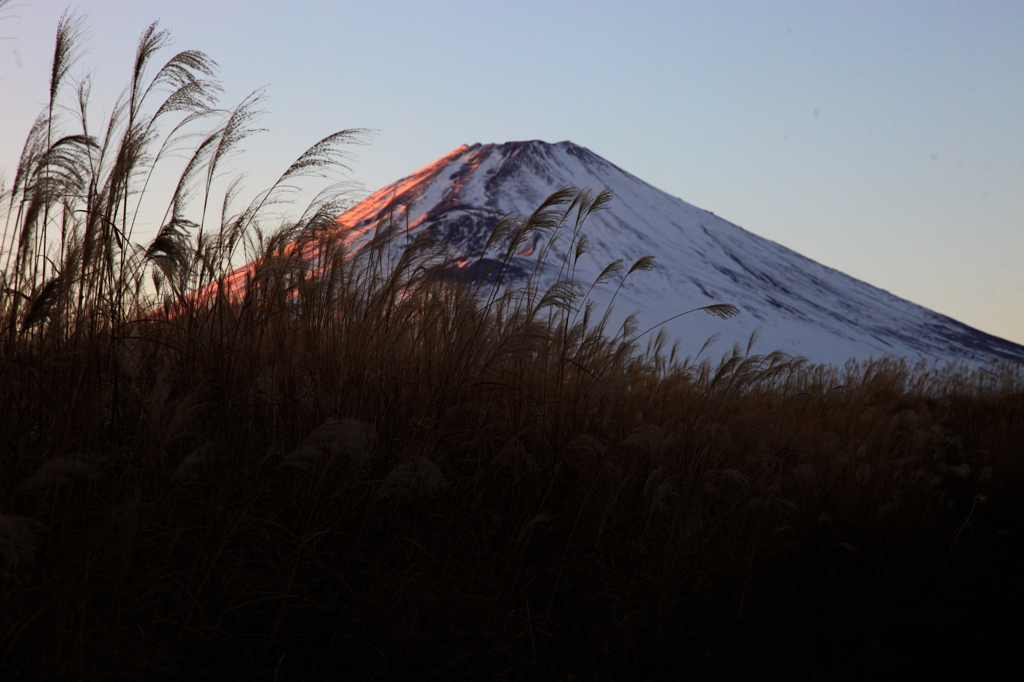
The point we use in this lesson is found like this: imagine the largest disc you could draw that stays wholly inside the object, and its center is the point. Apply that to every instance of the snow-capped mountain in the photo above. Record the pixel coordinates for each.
(801, 306)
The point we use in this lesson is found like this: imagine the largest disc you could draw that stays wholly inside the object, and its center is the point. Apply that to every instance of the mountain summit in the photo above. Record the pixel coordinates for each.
(801, 306)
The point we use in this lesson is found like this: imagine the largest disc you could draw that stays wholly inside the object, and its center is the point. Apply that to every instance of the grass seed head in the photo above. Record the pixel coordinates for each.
(413, 478)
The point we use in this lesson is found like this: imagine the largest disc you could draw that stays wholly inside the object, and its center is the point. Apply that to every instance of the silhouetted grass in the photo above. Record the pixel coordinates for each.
(340, 466)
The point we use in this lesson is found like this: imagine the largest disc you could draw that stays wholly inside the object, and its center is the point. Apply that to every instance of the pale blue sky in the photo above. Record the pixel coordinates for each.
(884, 139)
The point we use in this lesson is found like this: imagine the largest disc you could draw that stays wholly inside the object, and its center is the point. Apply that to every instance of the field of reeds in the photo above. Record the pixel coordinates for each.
(353, 468)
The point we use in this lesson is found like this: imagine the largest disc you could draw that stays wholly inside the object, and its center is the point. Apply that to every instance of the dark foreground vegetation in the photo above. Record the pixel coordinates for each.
(356, 470)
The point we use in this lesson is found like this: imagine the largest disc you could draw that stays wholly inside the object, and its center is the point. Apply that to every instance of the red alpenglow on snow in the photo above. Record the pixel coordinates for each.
(798, 305)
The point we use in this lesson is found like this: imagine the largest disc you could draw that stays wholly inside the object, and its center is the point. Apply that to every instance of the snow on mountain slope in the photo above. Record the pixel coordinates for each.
(801, 306)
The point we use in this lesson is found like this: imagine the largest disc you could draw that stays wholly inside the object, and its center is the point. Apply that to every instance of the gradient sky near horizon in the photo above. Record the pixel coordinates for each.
(883, 139)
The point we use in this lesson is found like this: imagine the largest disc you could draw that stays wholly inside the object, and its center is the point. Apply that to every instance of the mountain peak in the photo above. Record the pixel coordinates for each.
(796, 304)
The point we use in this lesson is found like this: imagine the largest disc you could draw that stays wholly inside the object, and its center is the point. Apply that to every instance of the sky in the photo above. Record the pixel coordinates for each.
(882, 139)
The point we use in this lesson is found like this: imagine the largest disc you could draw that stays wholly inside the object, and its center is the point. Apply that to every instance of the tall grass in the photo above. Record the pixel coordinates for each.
(334, 462)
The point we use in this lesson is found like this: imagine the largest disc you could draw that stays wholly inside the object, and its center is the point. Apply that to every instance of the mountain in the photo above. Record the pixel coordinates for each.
(801, 306)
